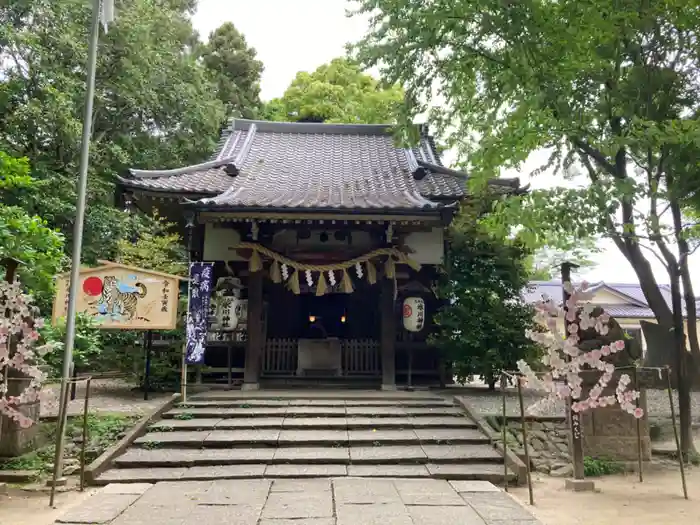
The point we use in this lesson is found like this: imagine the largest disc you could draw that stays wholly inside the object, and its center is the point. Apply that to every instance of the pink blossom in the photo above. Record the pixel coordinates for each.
(619, 345)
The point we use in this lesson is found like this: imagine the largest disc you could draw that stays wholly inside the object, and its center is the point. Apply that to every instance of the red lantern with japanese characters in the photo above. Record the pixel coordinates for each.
(414, 314)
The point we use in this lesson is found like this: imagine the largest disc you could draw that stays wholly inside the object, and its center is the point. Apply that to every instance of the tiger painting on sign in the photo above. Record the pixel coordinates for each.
(118, 302)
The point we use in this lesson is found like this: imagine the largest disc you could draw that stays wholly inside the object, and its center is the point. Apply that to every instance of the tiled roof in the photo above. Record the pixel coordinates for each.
(637, 306)
(310, 165)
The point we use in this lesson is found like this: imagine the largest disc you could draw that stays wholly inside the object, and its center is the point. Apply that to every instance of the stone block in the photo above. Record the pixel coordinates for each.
(444, 516)
(300, 485)
(388, 471)
(305, 471)
(381, 514)
(126, 488)
(388, 454)
(365, 491)
(497, 507)
(100, 508)
(430, 492)
(298, 505)
(580, 485)
(474, 486)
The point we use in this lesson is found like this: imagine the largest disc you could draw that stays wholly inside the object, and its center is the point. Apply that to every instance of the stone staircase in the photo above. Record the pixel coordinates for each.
(290, 434)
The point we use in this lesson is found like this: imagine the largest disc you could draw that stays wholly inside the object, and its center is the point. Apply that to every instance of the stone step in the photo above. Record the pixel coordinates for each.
(355, 455)
(469, 471)
(325, 437)
(319, 394)
(311, 411)
(249, 403)
(312, 423)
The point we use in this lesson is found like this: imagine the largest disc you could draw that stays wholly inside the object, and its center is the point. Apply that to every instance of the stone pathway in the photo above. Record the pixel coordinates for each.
(340, 501)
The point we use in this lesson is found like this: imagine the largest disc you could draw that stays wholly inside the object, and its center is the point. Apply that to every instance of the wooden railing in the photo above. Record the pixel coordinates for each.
(359, 357)
(280, 356)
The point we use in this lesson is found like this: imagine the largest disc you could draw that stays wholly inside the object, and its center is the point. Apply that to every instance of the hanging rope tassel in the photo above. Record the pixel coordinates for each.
(389, 268)
(275, 274)
(371, 273)
(321, 286)
(413, 264)
(255, 263)
(347, 283)
(294, 283)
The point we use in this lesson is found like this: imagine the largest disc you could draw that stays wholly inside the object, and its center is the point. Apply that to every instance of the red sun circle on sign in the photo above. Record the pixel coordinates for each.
(407, 310)
(92, 286)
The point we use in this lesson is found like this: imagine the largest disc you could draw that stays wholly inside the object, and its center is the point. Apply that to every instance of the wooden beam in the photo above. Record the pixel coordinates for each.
(256, 338)
(388, 334)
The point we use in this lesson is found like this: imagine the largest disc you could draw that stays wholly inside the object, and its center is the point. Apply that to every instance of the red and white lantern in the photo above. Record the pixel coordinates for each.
(413, 314)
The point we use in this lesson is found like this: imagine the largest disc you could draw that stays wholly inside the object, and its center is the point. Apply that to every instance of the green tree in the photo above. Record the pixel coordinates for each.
(233, 67)
(610, 89)
(337, 92)
(481, 330)
(26, 237)
(155, 105)
(159, 248)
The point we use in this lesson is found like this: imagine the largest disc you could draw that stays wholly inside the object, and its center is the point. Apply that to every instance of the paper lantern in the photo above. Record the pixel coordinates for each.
(413, 314)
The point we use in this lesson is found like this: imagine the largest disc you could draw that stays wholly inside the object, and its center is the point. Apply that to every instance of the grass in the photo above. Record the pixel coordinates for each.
(597, 467)
(102, 430)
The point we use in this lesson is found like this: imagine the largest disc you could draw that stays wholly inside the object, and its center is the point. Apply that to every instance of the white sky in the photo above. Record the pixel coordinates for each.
(300, 35)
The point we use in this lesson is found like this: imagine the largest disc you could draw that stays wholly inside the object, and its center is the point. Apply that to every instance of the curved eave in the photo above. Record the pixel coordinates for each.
(133, 184)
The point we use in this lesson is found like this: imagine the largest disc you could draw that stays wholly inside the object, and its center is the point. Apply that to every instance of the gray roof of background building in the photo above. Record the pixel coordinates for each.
(261, 164)
(637, 306)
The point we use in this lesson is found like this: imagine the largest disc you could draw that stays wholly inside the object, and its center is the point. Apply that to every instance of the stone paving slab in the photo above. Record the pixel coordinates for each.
(444, 515)
(126, 488)
(100, 508)
(474, 486)
(323, 501)
(381, 514)
(354, 491)
(498, 507)
(303, 485)
(298, 505)
(430, 492)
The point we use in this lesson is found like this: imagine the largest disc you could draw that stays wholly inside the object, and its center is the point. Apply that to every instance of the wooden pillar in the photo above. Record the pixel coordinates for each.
(388, 334)
(254, 348)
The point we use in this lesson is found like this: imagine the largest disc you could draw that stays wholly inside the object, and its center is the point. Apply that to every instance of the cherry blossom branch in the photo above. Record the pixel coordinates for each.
(565, 362)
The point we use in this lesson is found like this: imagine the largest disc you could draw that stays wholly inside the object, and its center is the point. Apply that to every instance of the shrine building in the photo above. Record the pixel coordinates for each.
(315, 235)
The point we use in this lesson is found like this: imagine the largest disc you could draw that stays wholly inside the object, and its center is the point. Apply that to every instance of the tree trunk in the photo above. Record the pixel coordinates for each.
(681, 362)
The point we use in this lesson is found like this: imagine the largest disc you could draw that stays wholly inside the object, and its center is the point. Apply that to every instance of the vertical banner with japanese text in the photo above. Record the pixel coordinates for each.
(201, 279)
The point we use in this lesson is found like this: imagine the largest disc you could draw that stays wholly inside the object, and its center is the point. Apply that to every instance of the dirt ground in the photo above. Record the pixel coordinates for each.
(619, 500)
(20, 507)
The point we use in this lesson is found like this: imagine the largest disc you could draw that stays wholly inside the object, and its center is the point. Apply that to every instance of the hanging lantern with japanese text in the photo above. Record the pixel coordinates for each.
(414, 314)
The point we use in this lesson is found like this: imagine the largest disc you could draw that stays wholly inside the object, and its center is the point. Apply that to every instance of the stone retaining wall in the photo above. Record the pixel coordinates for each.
(548, 443)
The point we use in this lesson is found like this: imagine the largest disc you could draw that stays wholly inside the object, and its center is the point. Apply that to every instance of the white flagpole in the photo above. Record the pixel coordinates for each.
(78, 233)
